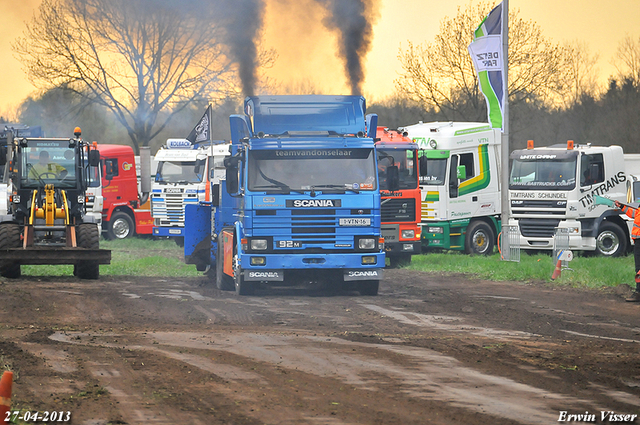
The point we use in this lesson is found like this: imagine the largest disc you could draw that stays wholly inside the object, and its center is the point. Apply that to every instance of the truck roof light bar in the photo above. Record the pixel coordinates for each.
(569, 144)
(529, 144)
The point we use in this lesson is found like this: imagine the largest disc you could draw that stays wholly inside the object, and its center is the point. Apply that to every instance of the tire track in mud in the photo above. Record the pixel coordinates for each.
(415, 372)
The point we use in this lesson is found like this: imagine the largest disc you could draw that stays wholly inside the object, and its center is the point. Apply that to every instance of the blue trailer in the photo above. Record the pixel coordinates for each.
(300, 200)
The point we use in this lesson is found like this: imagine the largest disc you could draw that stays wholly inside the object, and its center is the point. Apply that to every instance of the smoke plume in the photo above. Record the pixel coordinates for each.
(242, 21)
(353, 21)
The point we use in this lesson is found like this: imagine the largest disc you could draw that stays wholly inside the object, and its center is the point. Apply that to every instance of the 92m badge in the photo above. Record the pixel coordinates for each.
(289, 244)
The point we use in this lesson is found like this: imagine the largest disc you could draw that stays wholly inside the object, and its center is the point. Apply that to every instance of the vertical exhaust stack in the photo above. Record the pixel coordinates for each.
(145, 174)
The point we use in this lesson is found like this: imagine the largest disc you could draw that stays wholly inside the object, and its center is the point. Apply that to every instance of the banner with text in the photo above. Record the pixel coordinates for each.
(486, 52)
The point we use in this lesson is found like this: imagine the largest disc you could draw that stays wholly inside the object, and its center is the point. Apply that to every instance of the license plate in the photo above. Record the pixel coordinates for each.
(175, 232)
(355, 222)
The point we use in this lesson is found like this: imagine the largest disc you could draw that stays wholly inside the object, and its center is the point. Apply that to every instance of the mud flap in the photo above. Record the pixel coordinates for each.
(197, 233)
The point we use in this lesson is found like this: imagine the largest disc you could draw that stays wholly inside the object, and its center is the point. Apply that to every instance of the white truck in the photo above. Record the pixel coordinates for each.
(460, 183)
(183, 176)
(556, 187)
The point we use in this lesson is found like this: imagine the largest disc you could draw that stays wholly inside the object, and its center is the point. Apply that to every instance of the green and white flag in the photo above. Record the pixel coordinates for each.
(487, 55)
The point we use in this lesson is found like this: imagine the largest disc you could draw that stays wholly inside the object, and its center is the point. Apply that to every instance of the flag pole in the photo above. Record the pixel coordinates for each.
(505, 150)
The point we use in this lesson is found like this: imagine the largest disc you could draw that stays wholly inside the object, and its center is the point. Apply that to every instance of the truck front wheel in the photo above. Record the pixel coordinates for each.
(611, 240)
(479, 239)
(120, 226)
(10, 238)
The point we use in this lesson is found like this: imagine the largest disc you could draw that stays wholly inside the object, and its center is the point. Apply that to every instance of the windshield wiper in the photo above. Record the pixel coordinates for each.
(282, 186)
(334, 186)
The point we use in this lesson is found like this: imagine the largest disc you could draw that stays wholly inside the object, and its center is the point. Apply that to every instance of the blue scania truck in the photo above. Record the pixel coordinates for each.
(300, 201)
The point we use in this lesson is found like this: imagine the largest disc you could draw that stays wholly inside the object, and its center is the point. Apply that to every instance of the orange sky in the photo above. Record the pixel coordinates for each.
(307, 52)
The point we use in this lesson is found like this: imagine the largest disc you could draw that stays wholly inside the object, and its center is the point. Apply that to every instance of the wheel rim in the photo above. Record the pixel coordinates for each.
(607, 242)
(121, 228)
(480, 242)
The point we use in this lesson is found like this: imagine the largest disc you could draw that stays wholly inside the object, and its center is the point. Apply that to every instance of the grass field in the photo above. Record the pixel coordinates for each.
(133, 256)
(163, 258)
(585, 272)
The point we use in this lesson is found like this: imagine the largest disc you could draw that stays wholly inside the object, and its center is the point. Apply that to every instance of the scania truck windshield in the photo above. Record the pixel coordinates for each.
(277, 171)
(543, 172)
(181, 171)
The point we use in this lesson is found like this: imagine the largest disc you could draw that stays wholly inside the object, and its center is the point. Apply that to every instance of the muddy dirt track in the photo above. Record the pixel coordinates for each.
(428, 349)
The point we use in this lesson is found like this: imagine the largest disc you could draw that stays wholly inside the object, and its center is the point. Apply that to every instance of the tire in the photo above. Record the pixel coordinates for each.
(88, 237)
(10, 238)
(479, 239)
(611, 240)
(368, 287)
(223, 281)
(242, 287)
(400, 260)
(120, 226)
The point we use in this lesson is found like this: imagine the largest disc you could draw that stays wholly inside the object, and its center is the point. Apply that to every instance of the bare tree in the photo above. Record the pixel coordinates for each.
(582, 73)
(627, 60)
(441, 75)
(135, 57)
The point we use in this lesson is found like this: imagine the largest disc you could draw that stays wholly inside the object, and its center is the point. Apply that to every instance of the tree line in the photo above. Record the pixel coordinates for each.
(140, 71)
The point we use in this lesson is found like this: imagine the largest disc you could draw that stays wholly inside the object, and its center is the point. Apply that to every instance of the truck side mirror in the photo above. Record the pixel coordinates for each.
(232, 179)
(422, 163)
(461, 172)
(94, 158)
(215, 195)
(393, 178)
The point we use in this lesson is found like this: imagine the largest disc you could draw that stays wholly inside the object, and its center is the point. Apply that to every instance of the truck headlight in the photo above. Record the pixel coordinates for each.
(80, 199)
(408, 234)
(367, 243)
(16, 199)
(258, 244)
(431, 229)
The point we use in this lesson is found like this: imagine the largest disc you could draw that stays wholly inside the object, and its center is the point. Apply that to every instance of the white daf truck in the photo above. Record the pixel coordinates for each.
(183, 177)
(556, 187)
(460, 183)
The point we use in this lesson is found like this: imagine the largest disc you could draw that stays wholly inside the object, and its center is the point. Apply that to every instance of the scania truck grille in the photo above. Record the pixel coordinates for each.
(318, 227)
(171, 210)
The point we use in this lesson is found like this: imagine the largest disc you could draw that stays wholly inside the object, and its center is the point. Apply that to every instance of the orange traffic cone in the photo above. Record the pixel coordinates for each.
(557, 271)
(5, 393)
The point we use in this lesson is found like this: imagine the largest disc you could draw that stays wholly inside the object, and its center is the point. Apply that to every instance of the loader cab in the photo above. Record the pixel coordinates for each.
(43, 162)
(42, 165)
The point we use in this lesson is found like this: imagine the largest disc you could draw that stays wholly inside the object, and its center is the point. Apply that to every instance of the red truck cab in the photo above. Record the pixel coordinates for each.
(398, 175)
(126, 211)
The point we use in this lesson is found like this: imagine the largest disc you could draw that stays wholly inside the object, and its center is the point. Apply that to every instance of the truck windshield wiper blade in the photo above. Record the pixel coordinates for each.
(282, 186)
(334, 186)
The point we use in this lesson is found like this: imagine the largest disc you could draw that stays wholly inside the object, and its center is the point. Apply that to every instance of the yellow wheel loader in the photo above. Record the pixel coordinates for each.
(45, 221)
